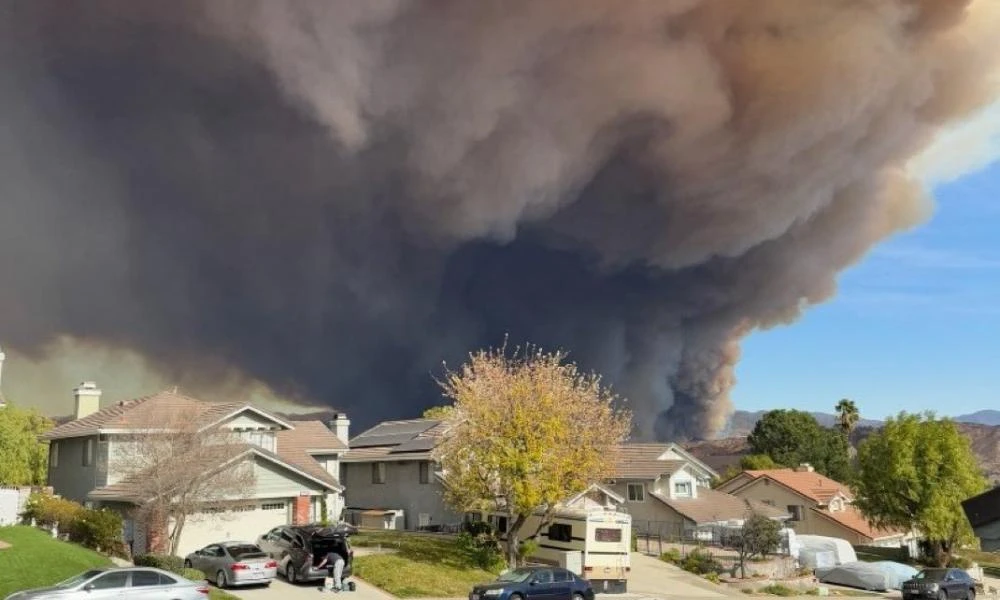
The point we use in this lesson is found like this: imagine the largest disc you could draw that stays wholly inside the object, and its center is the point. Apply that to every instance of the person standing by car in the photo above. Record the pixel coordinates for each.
(334, 564)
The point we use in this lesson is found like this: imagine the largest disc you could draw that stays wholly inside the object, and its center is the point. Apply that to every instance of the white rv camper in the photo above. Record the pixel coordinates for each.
(594, 543)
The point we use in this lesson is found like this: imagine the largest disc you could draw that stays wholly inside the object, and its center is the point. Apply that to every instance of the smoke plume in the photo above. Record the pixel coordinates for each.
(330, 197)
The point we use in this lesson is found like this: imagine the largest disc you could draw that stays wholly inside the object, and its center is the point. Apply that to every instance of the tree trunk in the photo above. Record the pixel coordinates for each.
(175, 534)
(513, 540)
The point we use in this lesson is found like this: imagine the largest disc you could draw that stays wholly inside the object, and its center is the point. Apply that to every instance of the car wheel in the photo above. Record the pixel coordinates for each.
(220, 580)
(291, 575)
(971, 595)
(516, 597)
(577, 596)
(942, 595)
(187, 565)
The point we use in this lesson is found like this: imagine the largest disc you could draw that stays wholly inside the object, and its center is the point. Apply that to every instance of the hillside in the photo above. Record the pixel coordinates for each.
(724, 452)
(742, 421)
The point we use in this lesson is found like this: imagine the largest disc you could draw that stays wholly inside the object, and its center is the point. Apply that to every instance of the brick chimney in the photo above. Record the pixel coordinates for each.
(341, 426)
(88, 399)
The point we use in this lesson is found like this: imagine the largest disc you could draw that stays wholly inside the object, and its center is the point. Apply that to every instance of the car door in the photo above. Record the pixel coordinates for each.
(267, 542)
(953, 584)
(541, 586)
(110, 586)
(150, 585)
(197, 559)
(562, 582)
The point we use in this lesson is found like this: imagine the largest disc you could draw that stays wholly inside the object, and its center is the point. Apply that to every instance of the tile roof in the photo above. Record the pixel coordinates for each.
(130, 488)
(294, 446)
(712, 506)
(812, 485)
(851, 518)
(140, 411)
(640, 461)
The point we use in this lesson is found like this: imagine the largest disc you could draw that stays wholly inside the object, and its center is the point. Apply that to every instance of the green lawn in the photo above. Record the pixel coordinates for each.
(421, 566)
(35, 559)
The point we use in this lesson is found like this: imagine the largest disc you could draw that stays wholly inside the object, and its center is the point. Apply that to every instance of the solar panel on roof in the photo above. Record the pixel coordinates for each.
(411, 427)
(416, 445)
(364, 441)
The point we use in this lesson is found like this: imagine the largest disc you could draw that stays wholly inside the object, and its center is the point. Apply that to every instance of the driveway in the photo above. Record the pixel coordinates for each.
(653, 578)
(282, 590)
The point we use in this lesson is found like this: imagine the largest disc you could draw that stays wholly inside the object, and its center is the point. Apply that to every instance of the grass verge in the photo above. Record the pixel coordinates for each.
(418, 565)
(35, 559)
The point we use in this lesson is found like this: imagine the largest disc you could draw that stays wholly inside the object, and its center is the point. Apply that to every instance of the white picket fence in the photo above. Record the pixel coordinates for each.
(12, 500)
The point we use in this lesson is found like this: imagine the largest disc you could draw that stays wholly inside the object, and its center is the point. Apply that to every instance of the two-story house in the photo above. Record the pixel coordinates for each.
(295, 464)
(817, 504)
(983, 512)
(392, 480)
(667, 491)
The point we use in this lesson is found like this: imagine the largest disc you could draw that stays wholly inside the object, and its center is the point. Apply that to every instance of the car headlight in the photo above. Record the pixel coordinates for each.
(493, 592)
(934, 587)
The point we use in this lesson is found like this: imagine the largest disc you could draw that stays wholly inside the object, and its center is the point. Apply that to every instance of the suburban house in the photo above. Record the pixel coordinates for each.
(294, 464)
(667, 491)
(983, 512)
(392, 480)
(817, 504)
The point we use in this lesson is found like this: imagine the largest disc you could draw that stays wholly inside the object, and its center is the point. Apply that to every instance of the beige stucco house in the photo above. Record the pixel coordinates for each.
(667, 491)
(817, 504)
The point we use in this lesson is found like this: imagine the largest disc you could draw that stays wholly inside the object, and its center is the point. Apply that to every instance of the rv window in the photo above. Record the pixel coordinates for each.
(560, 532)
(561, 575)
(607, 535)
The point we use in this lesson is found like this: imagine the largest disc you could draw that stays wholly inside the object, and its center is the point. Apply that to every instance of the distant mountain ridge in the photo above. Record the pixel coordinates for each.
(742, 422)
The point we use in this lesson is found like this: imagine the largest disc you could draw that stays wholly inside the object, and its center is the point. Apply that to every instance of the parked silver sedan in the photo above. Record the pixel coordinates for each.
(116, 583)
(233, 564)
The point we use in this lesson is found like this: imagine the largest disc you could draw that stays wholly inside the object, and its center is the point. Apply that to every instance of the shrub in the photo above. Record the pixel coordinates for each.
(192, 574)
(100, 530)
(713, 577)
(700, 562)
(672, 556)
(484, 550)
(635, 542)
(776, 589)
(48, 511)
(173, 564)
(959, 562)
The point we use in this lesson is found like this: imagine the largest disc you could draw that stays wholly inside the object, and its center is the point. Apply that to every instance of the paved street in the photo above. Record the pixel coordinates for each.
(282, 590)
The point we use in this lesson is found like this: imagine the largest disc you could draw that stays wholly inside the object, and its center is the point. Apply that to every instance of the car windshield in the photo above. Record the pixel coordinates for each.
(242, 551)
(931, 574)
(78, 579)
(515, 576)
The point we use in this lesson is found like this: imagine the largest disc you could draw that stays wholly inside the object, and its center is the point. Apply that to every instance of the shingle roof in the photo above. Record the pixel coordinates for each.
(640, 461)
(812, 485)
(712, 506)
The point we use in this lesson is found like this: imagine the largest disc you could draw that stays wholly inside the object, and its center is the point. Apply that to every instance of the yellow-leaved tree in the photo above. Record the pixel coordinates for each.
(525, 432)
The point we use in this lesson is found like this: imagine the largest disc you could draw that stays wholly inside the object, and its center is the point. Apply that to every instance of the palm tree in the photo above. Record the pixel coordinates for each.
(847, 416)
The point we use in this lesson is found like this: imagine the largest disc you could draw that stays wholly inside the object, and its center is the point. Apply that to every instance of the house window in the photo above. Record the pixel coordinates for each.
(796, 511)
(502, 524)
(560, 532)
(425, 472)
(378, 472)
(273, 506)
(682, 489)
(88, 452)
(636, 492)
(54, 454)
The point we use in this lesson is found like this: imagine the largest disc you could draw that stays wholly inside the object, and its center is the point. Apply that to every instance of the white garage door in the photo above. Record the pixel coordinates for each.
(242, 525)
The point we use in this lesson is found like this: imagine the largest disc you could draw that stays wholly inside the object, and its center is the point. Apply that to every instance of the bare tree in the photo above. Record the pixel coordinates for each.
(170, 466)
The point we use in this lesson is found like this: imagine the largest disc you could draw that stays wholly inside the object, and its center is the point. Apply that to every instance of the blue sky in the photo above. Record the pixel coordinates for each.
(915, 326)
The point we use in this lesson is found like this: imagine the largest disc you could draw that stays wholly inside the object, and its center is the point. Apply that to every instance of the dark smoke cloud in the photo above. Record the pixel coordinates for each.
(333, 196)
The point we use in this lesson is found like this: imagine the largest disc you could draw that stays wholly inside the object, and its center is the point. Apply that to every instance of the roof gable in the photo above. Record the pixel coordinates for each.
(595, 490)
(675, 452)
(713, 506)
(808, 484)
(222, 414)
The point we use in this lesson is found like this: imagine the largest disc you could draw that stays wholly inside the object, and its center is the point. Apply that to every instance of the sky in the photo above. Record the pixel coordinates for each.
(915, 326)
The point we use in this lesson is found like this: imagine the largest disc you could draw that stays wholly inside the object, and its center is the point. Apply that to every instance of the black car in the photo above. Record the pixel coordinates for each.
(298, 549)
(940, 584)
(535, 583)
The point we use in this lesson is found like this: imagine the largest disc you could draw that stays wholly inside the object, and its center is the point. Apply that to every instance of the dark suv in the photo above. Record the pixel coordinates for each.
(940, 584)
(299, 548)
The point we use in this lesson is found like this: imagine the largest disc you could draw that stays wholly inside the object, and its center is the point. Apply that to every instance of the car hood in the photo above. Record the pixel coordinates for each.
(28, 594)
